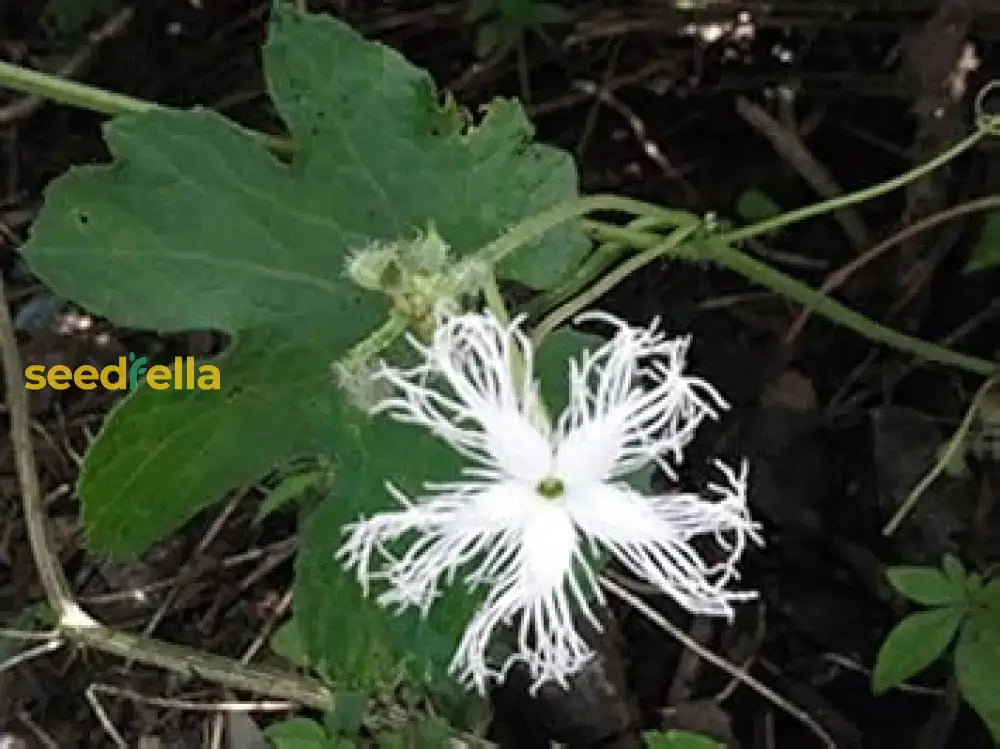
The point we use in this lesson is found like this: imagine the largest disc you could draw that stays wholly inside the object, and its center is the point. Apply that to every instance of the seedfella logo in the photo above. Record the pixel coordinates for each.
(126, 374)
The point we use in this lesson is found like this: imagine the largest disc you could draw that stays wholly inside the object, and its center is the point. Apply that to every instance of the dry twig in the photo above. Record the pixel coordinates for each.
(789, 145)
(719, 662)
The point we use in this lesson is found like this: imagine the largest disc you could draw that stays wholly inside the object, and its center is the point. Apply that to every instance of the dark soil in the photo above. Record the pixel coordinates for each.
(837, 431)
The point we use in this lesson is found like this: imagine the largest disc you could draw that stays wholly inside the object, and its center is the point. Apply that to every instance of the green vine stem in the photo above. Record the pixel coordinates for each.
(74, 94)
(600, 259)
(100, 100)
(533, 227)
(718, 249)
(581, 301)
(985, 126)
(715, 249)
(74, 623)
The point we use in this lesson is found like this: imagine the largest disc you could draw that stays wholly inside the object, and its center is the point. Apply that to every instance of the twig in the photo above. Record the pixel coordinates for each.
(172, 703)
(43, 738)
(758, 637)
(28, 105)
(845, 662)
(187, 572)
(22, 634)
(77, 625)
(283, 547)
(719, 662)
(789, 145)
(279, 611)
(650, 147)
(104, 720)
(956, 442)
(30, 653)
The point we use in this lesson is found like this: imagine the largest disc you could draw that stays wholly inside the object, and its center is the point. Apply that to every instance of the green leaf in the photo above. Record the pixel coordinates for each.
(679, 740)
(987, 598)
(287, 642)
(914, 644)
(298, 733)
(986, 252)
(292, 486)
(348, 713)
(977, 663)
(394, 740)
(164, 455)
(552, 365)
(954, 569)
(354, 642)
(754, 205)
(377, 132)
(196, 226)
(432, 733)
(928, 586)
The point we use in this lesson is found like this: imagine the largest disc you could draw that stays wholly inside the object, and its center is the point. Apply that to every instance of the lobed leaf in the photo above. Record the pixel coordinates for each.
(195, 226)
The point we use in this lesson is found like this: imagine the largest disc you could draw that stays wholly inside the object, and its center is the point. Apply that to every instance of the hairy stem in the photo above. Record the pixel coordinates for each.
(73, 622)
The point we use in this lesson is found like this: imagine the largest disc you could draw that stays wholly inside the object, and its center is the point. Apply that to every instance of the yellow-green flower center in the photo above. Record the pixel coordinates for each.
(550, 487)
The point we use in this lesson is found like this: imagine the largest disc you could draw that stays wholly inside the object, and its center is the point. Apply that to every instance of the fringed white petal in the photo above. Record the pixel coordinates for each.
(537, 593)
(464, 392)
(454, 525)
(654, 538)
(631, 405)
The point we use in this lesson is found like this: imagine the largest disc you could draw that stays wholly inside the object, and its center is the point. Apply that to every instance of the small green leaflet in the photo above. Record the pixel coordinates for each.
(928, 586)
(914, 644)
(195, 226)
(754, 205)
(986, 252)
(977, 663)
(964, 604)
(679, 740)
(298, 733)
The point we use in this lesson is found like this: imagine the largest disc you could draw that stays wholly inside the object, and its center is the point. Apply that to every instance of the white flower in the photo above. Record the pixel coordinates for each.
(519, 519)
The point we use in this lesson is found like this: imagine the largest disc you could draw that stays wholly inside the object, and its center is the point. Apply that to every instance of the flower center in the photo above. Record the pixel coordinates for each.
(550, 487)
